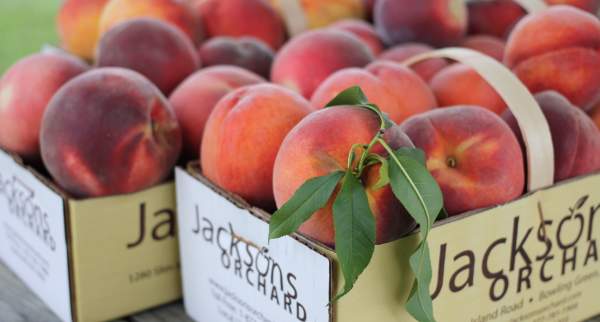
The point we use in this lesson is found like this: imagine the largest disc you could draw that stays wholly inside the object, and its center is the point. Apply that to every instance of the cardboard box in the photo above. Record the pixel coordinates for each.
(533, 259)
(92, 259)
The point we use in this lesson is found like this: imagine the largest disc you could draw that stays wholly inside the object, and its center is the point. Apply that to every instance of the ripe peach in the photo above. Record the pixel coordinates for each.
(307, 60)
(395, 89)
(246, 52)
(591, 6)
(237, 18)
(472, 154)
(461, 85)
(561, 40)
(575, 138)
(77, 22)
(151, 47)
(494, 18)
(426, 69)
(319, 13)
(196, 97)
(109, 131)
(595, 114)
(435, 22)
(319, 145)
(176, 12)
(363, 30)
(489, 45)
(242, 137)
(25, 90)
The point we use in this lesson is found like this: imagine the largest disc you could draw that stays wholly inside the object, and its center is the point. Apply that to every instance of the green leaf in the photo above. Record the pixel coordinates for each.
(419, 304)
(354, 230)
(420, 194)
(384, 177)
(414, 153)
(310, 197)
(351, 96)
(416, 189)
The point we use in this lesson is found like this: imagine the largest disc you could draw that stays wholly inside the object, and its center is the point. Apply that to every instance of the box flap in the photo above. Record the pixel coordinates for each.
(232, 272)
(32, 234)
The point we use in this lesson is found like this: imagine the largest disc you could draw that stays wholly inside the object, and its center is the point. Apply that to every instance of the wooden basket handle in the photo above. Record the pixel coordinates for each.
(531, 120)
(294, 16)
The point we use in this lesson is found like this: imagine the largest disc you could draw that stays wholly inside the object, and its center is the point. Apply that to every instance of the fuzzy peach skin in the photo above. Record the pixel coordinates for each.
(25, 90)
(472, 154)
(236, 18)
(595, 115)
(109, 131)
(242, 137)
(77, 23)
(426, 69)
(575, 138)
(176, 12)
(363, 30)
(489, 45)
(319, 13)
(246, 52)
(196, 97)
(494, 18)
(151, 47)
(319, 145)
(561, 40)
(591, 6)
(462, 85)
(434, 22)
(308, 59)
(395, 89)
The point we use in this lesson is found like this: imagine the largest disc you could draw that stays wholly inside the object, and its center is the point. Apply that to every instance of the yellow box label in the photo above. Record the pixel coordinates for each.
(511, 263)
(124, 253)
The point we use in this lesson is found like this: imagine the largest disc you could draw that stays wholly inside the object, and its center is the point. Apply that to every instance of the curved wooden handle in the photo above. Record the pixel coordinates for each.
(533, 124)
(294, 16)
(532, 6)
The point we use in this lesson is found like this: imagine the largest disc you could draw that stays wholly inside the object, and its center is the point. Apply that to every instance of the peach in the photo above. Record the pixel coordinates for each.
(196, 97)
(434, 22)
(591, 6)
(461, 85)
(561, 40)
(308, 59)
(472, 154)
(364, 31)
(176, 12)
(109, 131)
(595, 114)
(575, 138)
(319, 145)
(395, 89)
(319, 13)
(242, 137)
(151, 47)
(426, 69)
(494, 18)
(369, 6)
(489, 45)
(25, 90)
(237, 18)
(77, 22)
(247, 52)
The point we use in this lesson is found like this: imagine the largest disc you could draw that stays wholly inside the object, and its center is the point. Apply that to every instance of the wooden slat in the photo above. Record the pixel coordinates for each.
(169, 313)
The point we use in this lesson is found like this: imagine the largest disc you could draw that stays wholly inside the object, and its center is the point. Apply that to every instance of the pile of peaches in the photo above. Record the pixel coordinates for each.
(140, 86)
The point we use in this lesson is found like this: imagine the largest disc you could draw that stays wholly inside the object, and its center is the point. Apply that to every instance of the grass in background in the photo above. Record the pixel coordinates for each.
(25, 26)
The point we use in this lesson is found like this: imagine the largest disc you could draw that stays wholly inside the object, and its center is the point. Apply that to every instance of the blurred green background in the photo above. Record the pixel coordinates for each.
(25, 26)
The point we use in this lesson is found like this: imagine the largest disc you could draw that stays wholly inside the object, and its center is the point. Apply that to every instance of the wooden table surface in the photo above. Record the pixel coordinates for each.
(18, 304)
